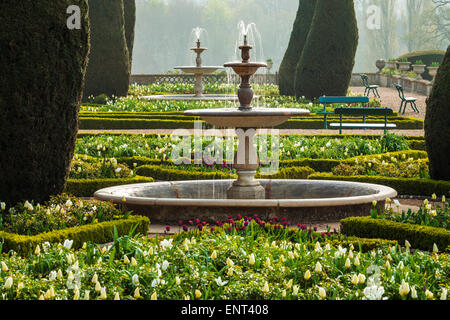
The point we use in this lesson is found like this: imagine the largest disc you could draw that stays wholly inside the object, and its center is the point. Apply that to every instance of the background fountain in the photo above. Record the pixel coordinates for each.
(198, 71)
(300, 201)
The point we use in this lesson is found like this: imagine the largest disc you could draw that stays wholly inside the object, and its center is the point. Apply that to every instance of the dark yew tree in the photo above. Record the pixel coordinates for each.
(42, 67)
(300, 30)
(108, 70)
(326, 64)
(437, 123)
(129, 7)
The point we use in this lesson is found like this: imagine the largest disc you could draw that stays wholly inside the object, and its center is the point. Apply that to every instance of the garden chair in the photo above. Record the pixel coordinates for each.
(405, 101)
(369, 88)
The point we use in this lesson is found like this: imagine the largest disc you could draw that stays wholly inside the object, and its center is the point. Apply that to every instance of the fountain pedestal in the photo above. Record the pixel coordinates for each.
(246, 163)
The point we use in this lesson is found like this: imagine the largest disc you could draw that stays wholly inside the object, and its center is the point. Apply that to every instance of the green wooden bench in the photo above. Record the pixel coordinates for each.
(363, 112)
(330, 100)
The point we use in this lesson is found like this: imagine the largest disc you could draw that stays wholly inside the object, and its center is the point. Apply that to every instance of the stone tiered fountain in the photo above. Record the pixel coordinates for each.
(300, 201)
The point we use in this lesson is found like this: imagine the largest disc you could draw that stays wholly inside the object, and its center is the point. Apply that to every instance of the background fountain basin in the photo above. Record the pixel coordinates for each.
(192, 97)
(199, 70)
(299, 201)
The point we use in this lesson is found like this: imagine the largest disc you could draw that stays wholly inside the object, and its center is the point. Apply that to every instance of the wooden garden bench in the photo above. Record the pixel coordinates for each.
(363, 112)
(329, 100)
(405, 101)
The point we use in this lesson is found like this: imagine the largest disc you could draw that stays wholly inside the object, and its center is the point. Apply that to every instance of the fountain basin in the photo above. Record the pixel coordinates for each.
(300, 201)
(254, 118)
(199, 70)
(193, 97)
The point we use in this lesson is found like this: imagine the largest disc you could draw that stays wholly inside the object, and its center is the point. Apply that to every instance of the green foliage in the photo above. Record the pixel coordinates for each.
(420, 237)
(431, 213)
(437, 123)
(96, 233)
(43, 65)
(167, 174)
(108, 71)
(87, 187)
(60, 212)
(333, 38)
(404, 186)
(300, 31)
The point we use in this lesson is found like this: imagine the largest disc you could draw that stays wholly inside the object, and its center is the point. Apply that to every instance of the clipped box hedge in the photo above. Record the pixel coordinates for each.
(166, 174)
(160, 122)
(420, 237)
(102, 232)
(404, 186)
(87, 187)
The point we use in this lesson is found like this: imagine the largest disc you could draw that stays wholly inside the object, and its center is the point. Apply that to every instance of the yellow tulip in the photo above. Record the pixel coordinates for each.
(251, 259)
(265, 288)
(361, 278)
(348, 263)
(8, 283)
(4, 267)
(230, 263)
(214, 255)
(154, 296)
(403, 290)
(318, 267)
(429, 294)
(116, 296)
(137, 293)
(322, 293)
(289, 284)
(307, 275)
(198, 294)
(103, 293)
(98, 287)
(355, 280)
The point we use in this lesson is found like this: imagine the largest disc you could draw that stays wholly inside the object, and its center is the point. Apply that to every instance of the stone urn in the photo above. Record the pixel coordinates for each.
(404, 67)
(419, 69)
(432, 71)
(269, 63)
(380, 65)
(391, 65)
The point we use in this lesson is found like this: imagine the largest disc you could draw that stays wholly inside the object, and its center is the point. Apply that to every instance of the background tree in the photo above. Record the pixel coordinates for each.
(108, 70)
(326, 64)
(43, 65)
(129, 10)
(294, 50)
(437, 123)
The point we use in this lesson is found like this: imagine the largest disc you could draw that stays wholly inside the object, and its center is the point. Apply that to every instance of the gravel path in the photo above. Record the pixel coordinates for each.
(389, 98)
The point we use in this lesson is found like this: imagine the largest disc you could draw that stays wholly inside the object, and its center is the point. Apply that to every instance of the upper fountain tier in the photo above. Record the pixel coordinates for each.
(198, 69)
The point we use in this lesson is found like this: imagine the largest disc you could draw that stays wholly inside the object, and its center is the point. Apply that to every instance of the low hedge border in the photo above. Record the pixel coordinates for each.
(87, 187)
(166, 174)
(317, 136)
(294, 123)
(97, 233)
(404, 186)
(415, 154)
(420, 237)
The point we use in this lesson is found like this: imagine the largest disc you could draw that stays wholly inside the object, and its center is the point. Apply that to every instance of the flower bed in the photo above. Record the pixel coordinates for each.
(215, 264)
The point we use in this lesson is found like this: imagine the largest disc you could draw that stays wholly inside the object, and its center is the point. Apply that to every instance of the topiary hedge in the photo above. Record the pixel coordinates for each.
(404, 186)
(42, 66)
(437, 123)
(326, 64)
(300, 30)
(87, 187)
(108, 70)
(96, 233)
(420, 237)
